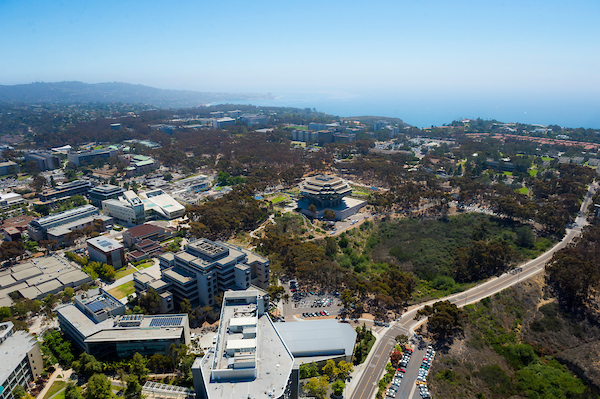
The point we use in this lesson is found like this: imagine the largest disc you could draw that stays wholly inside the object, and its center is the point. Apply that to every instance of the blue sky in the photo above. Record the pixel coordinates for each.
(509, 49)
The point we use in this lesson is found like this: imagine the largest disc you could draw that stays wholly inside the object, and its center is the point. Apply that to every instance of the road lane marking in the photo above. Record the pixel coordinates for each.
(376, 364)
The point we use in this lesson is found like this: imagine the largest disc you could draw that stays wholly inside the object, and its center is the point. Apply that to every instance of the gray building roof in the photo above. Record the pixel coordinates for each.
(318, 337)
(14, 349)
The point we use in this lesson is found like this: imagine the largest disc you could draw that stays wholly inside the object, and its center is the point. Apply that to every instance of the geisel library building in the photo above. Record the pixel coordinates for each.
(328, 192)
(255, 358)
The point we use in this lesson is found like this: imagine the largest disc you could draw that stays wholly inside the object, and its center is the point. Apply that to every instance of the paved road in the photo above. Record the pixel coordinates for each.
(367, 383)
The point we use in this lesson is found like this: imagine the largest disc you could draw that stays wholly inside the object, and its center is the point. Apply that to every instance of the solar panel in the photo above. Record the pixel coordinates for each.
(166, 321)
(96, 306)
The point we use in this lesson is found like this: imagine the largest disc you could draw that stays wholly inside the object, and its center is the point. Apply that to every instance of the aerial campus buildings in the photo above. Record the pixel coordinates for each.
(130, 209)
(57, 227)
(98, 325)
(205, 269)
(21, 359)
(35, 278)
(253, 357)
(328, 192)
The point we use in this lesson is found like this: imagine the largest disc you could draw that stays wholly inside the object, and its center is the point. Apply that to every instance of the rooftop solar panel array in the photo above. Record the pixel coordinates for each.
(166, 321)
(96, 306)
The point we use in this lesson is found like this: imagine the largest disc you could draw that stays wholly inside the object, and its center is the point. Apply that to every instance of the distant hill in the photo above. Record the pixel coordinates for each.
(115, 92)
(372, 119)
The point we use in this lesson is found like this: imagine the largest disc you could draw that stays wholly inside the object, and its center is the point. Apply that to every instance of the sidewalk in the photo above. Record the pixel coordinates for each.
(65, 374)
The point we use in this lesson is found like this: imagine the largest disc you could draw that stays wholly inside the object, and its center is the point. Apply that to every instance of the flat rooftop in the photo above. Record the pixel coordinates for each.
(269, 362)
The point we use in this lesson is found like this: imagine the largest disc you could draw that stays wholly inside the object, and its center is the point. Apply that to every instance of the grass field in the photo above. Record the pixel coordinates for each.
(123, 290)
(277, 199)
(56, 386)
(508, 173)
(124, 272)
(546, 159)
(359, 190)
(523, 190)
(533, 172)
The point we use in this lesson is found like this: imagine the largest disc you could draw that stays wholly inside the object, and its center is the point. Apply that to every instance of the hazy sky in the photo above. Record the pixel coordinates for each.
(503, 48)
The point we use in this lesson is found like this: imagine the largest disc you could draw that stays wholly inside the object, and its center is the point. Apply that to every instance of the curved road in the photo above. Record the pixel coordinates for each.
(366, 387)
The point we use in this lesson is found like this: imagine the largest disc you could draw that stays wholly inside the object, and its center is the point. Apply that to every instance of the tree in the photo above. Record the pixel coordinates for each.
(331, 247)
(328, 214)
(134, 389)
(185, 306)
(168, 176)
(72, 392)
(276, 292)
(313, 209)
(525, 237)
(330, 369)
(87, 365)
(137, 367)
(402, 339)
(308, 370)
(317, 387)
(149, 301)
(5, 312)
(19, 392)
(98, 387)
(68, 293)
(338, 387)
(444, 318)
(344, 369)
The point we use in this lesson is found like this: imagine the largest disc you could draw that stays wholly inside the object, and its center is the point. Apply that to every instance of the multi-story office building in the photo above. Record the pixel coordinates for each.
(97, 324)
(254, 119)
(37, 229)
(249, 359)
(160, 205)
(127, 210)
(77, 187)
(106, 250)
(317, 126)
(207, 268)
(254, 358)
(21, 359)
(8, 167)
(12, 204)
(43, 160)
(88, 157)
(104, 192)
(57, 227)
(223, 122)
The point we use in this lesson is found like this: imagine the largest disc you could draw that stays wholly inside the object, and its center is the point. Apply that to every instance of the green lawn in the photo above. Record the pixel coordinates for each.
(523, 190)
(508, 173)
(277, 199)
(56, 386)
(546, 159)
(533, 172)
(147, 264)
(98, 147)
(23, 177)
(125, 271)
(123, 290)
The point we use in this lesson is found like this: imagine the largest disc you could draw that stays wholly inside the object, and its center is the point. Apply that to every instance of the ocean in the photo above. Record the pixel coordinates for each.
(431, 109)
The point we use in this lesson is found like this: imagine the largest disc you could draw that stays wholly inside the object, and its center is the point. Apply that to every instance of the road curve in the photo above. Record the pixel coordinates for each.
(366, 387)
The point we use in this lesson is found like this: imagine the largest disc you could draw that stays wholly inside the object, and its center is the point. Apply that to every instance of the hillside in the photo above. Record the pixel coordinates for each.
(114, 92)
(517, 344)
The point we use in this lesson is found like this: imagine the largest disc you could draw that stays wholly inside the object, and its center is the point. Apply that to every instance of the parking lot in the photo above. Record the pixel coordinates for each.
(310, 305)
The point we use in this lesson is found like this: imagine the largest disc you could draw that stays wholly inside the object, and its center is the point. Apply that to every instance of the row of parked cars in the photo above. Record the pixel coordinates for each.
(393, 389)
(316, 314)
(424, 371)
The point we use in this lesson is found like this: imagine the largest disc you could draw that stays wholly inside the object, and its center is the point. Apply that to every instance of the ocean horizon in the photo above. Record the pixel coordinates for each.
(426, 110)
